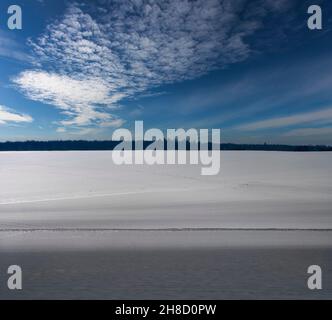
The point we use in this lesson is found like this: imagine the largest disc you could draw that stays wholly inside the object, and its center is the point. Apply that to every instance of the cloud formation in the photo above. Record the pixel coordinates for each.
(8, 115)
(320, 116)
(77, 99)
(96, 55)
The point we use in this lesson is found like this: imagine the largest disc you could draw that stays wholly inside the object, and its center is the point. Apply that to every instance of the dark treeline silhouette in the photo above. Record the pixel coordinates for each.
(274, 147)
(67, 145)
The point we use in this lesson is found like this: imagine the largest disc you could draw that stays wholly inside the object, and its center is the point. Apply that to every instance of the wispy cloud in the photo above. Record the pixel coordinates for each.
(8, 115)
(96, 55)
(321, 116)
(305, 132)
(11, 49)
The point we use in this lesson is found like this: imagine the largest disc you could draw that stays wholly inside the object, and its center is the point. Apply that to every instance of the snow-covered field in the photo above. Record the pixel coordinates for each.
(86, 211)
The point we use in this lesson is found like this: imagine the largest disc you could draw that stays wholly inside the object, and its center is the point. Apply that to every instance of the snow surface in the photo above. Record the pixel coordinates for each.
(84, 228)
(47, 190)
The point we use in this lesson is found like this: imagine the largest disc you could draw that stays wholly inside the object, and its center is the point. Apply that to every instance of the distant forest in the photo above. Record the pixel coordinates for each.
(67, 145)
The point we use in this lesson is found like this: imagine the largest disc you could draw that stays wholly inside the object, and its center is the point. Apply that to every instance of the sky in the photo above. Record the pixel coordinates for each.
(252, 68)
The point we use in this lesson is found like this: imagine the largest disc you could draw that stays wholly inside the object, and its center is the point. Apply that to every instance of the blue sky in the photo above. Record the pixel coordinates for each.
(78, 70)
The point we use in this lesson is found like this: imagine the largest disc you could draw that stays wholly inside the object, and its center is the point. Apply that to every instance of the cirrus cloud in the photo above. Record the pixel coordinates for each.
(95, 56)
(8, 115)
(319, 116)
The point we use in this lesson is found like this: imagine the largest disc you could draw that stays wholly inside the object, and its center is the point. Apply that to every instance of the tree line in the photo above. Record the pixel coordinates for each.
(72, 145)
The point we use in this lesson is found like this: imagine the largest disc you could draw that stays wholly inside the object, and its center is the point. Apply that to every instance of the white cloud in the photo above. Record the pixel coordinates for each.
(78, 99)
(8, 115)
(307, 117)
(96, 55)
(61, 130)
